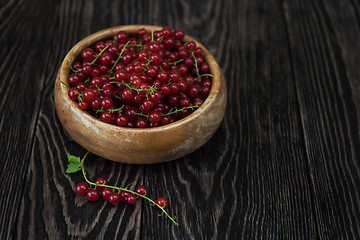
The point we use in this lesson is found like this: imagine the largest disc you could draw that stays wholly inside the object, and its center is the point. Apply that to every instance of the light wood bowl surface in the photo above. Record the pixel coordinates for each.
(134, 145)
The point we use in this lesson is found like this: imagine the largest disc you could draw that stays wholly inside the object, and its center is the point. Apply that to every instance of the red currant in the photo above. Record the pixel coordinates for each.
(81, 188)
(162, 202)
(141, 190)
(93, 195)
(100, 181)
(114, 198)
(105, 193)
(131, 199)
(124, 195)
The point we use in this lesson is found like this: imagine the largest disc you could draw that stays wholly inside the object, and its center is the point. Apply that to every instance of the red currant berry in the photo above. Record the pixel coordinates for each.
(122, 36)
(162, 202)
(141, 190)
(179, 34)
(93, 195)
(146, 106)
(190, 46)
(131, 199)
(73, 93)
(122, 120)
(107, 116)
(88, 55)
(100, 46)
(124, 195)
(96, 103)
(142, 32)
(198, 51)
(81, 188)
(89, 95)
(114, 198)
(83, 105)
(100, 181)
(122, 76)
(141, 123)
(105, 193)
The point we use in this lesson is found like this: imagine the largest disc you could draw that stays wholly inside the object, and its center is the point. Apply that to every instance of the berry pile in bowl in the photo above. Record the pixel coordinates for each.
(140, 94)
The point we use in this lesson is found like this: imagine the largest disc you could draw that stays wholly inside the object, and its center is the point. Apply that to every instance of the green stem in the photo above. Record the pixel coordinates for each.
(72, 69)
(119, 57)
(175, 110)
(117, 109)
(98, 55)
(142, 114)
(122, 189)
(196, 65)
(178, 61)
(204, 75)
(67, 86)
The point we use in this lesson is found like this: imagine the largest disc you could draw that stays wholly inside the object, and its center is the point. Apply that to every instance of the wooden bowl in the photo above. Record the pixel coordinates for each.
(134, 145)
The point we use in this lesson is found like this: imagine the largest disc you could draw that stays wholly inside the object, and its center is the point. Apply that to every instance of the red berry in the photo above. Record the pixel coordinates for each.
(162, 202)
(100, 181)
(81, 188)
(105, 193)
(83, 105)
(88, 55)
(179, 34)
(93, 194)
(122, 36)
(124, 195)
(141, 190)
(191, 46)
(114, 198)
(131, 199)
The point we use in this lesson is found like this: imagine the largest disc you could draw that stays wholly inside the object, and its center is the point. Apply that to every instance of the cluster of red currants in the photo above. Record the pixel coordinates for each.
(148, 80)
(107, 193)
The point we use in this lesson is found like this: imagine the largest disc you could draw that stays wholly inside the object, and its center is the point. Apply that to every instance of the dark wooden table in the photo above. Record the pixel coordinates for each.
(284, 164)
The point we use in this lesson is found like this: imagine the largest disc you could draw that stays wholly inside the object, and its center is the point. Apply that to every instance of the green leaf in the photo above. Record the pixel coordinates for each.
(74, 164)
(72, 168)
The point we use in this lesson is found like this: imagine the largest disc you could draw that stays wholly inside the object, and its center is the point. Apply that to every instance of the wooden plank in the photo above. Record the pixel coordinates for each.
(324, 49)
(250, 181)
(21, 84)
(49, 207)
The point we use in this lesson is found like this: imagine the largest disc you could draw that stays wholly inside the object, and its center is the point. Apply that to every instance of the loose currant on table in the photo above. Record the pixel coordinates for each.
(101, 188)
(143, 73)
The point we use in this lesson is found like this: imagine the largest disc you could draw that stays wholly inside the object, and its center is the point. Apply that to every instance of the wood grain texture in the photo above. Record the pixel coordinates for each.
(324, 81)
(245, 183)
(283, 165)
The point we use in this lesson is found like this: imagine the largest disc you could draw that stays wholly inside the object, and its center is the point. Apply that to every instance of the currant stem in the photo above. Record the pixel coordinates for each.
(148, 91)
(98, 55)
(72, 69)
(67, 86)
(204, 75)
(119, 57)
(178, 61)
(196, 65)
(117, 109)
(122, 189)
(142, 114)
(175, 110)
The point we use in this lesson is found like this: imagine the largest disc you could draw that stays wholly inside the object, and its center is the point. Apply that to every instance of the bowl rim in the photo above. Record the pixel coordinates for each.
(91, 39)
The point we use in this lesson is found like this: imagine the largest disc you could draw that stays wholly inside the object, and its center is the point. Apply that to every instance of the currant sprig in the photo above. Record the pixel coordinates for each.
(175, 109)
(196, 64)
(120, 56)
(76, 164)
(98, 55)
(72, 69)
(147, 91)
